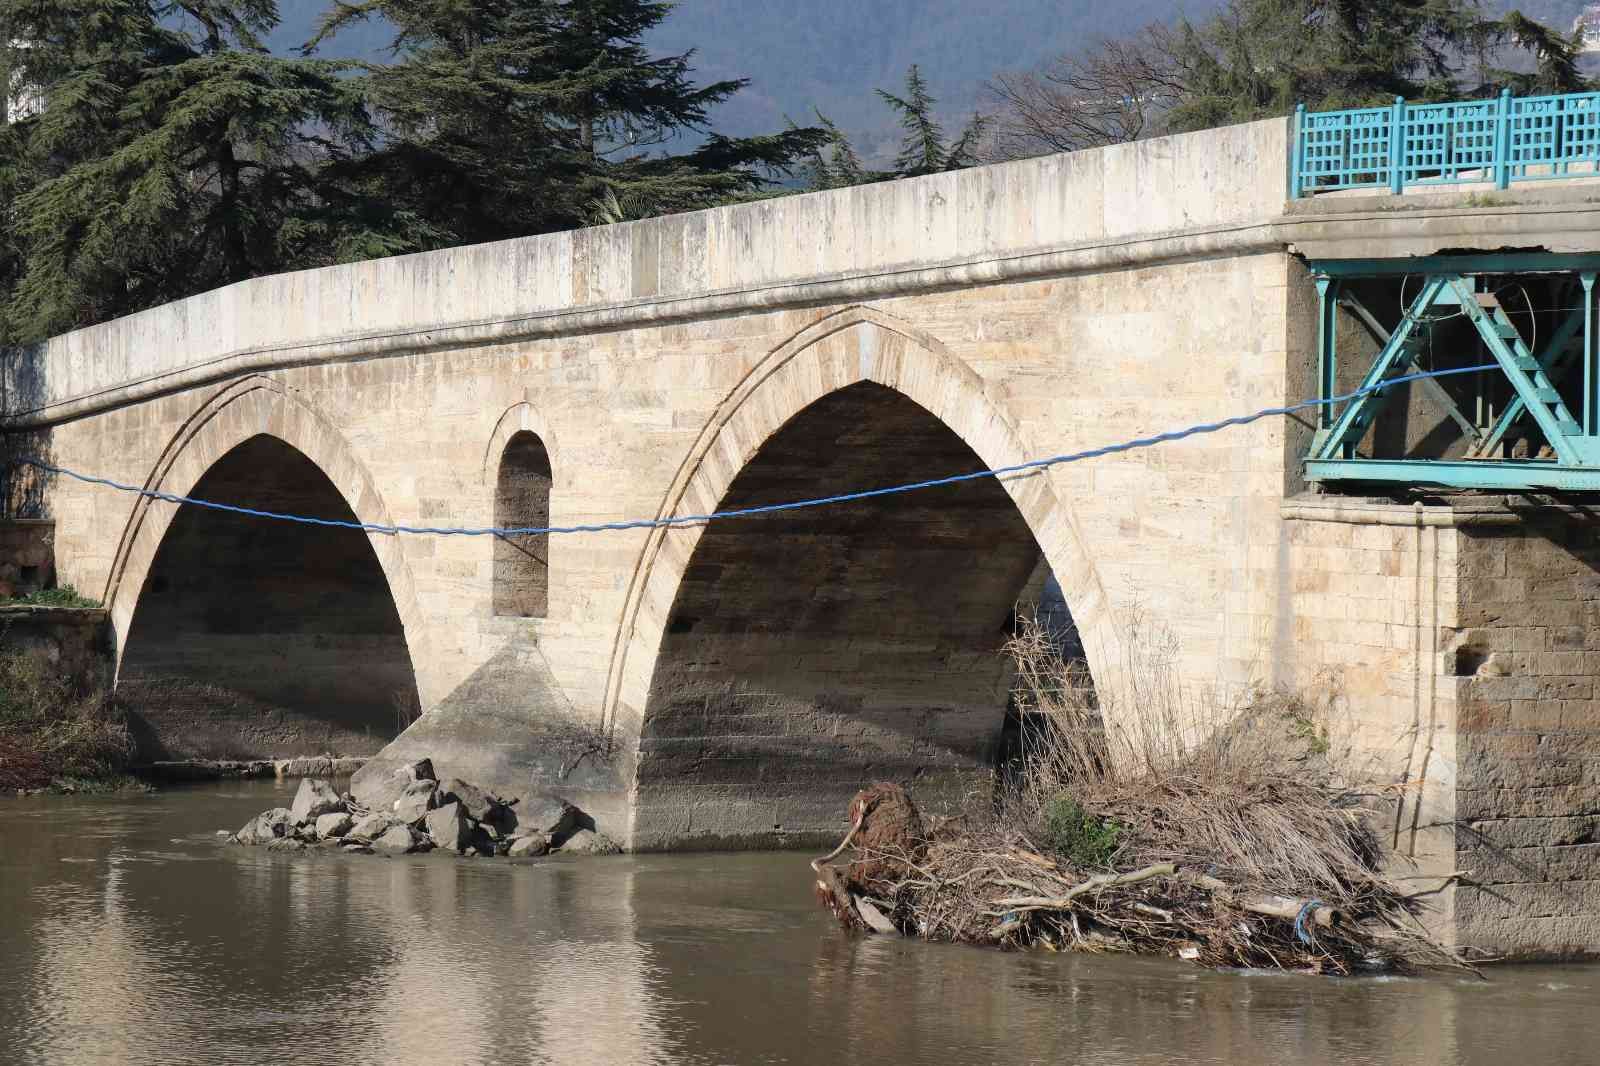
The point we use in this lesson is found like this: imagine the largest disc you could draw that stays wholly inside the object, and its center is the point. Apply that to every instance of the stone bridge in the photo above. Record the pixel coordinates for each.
(730, 684)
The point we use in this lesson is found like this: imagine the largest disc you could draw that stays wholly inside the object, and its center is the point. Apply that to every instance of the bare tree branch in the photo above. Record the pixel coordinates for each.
(1115, 91)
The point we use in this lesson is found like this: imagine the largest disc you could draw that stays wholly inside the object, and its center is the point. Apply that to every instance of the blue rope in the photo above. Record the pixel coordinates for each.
(1300, 920)
(771, 508)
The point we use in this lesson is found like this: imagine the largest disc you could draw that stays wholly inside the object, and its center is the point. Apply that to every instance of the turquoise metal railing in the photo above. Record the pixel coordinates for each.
(1500, 140)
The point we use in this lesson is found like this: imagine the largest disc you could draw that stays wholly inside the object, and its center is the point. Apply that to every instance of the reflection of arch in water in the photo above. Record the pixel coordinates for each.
(251, 637)
(795, 656)
(563, 975)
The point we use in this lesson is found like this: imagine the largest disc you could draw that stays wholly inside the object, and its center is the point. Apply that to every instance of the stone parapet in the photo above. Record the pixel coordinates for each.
(1199, 195)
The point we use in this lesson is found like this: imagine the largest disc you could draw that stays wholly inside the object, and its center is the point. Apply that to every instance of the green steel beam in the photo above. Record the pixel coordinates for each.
(1575, 440)
(1591, 379)
(1553, 359)
(1490, 263)
(1507, 475)
(1430, 386)
(1561, 431)
(1342, 437)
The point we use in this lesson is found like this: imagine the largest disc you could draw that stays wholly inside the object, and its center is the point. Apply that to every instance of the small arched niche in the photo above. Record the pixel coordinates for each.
(522, 501)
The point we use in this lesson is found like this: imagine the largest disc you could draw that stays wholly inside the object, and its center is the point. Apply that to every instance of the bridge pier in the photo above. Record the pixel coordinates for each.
(1460, 640)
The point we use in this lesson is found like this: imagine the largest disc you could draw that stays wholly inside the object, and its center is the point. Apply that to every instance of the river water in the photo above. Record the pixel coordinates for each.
(130, 935)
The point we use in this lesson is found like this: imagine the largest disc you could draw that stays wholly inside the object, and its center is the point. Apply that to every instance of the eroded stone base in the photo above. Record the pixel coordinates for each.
(71, 642)
(1462, 640)
(510, 730)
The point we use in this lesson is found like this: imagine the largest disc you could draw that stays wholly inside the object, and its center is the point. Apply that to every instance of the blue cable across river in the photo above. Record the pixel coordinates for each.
(771, 508)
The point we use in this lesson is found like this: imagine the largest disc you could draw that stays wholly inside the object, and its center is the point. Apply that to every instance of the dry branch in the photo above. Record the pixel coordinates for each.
(1234, 844)
(1094, 884)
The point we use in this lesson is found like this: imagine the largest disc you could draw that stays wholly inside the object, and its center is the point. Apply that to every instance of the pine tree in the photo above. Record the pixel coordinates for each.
(923, 150)
(834, 164)
(173, 155)
(1555, 58)
(513, 117)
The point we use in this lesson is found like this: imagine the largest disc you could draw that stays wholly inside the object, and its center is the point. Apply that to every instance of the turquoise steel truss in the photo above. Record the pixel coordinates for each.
(1549, 405)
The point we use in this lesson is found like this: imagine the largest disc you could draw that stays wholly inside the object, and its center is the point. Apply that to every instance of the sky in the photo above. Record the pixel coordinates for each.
(830, 55)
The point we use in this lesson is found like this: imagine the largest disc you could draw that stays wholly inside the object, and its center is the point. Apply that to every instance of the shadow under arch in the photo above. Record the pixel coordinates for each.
(857, 400)
(249, 637)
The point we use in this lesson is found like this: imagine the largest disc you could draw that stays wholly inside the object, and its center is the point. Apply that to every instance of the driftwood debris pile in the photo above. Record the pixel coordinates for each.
(962, 882)
(1231, 831)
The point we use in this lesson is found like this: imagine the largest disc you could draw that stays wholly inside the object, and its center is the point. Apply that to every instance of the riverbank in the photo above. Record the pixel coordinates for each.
(57, 735)
(62, 732)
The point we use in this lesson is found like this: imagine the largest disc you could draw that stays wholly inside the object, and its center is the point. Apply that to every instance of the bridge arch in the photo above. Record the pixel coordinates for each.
(252, 637)
(858, 368)
(518, 473)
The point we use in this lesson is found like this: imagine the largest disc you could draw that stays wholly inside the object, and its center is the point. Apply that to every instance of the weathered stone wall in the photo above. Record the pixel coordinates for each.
(27, 556)
(1189, 195)
(74, 642)
(1527, 655)
(1002, 325)
(1461, 641)
(1374, 596)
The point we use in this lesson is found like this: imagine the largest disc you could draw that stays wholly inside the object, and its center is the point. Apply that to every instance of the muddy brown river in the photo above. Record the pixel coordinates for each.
(130, 935)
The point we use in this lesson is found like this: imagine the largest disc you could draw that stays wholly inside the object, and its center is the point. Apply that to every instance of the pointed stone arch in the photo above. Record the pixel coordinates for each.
(521, 417)
(518, 474)
(858, 344)
(251, 407)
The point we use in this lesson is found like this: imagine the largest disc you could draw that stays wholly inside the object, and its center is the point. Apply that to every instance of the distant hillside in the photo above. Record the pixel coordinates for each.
(831, 54)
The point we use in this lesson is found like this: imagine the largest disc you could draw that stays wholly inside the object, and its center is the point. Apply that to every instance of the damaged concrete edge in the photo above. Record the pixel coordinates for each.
(30, 612)
(175, 771)
(1467, 511)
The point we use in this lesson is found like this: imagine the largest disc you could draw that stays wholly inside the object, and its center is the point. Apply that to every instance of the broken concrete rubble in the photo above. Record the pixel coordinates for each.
(265, 827)
(455, 816)
(450, 828)
(313, 799)
(334, 824)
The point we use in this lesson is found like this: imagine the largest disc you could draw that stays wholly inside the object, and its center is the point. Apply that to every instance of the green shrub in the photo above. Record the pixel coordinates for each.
(65, 596)
(1078, 835)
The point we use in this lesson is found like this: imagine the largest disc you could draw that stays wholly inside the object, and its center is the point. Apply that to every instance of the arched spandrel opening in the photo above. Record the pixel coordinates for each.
(522, 501)
(810, 652)
(259, 638)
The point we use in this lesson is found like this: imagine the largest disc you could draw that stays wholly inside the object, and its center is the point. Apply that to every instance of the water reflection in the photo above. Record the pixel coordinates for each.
(131, 936)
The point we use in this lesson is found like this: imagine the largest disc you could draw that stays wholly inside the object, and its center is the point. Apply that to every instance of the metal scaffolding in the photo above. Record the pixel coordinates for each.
(1545, 436)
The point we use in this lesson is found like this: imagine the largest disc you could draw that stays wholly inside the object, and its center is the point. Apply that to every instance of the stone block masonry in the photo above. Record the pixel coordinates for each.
(27, 556)
(1461, 637)
(74, 643)
(735, 684)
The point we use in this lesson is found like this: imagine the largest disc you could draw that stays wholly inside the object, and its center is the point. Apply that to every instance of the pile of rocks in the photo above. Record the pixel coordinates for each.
(452, 815)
